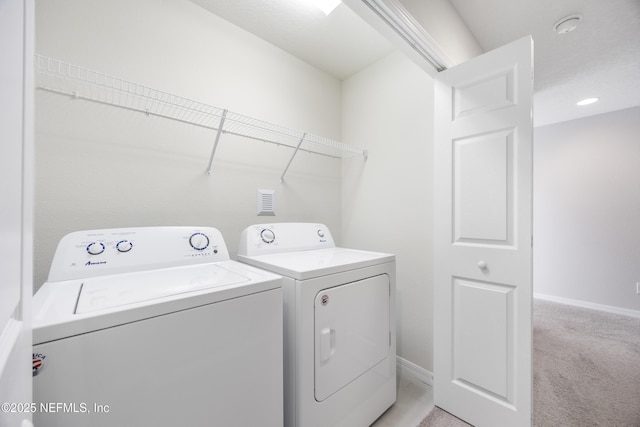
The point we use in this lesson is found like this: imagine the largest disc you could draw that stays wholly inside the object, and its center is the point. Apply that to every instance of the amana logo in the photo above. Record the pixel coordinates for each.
(95, 263)
(38, 362)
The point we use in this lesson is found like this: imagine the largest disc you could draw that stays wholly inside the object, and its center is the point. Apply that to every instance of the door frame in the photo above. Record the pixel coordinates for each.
(17, 25)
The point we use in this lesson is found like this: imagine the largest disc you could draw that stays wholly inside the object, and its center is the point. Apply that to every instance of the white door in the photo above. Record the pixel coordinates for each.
(16, 162)
(483, 274)
(350, 337)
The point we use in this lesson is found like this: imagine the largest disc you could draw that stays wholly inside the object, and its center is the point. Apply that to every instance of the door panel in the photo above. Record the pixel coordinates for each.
(484, 94)
(483, 188)
(483, 313)
(483, 193)
(352, 332)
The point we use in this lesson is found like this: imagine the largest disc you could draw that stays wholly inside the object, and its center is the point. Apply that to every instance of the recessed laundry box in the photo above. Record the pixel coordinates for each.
(339, 323)
(156, 326)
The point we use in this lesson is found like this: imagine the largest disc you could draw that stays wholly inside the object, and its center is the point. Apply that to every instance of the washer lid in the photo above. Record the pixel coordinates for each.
(74, 307)
(105, 292)
(303, 265)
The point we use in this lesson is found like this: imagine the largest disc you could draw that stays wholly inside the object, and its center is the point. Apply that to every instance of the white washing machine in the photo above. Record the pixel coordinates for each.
(339, 324)
(156, 327)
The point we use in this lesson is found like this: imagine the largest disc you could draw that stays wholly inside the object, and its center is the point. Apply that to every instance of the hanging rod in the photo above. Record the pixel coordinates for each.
(60, 77)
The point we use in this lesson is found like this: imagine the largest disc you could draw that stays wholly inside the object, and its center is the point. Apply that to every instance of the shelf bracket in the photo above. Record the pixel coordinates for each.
(292, 156)
(215, 144)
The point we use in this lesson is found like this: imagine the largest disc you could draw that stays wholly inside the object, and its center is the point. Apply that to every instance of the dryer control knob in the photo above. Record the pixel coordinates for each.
(199, 241)
(95, 248)
(267, 236)
(124, 246)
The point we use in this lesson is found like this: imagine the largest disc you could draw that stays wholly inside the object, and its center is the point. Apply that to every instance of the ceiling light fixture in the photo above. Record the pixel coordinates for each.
(568, 23)
(587, 101)
(326, 6)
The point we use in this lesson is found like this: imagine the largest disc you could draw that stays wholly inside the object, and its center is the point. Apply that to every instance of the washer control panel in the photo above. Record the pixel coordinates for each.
(124, 250)
(263, 239)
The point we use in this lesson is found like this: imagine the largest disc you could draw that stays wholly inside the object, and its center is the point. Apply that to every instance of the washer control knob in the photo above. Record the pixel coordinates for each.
(199, 241)
(321, 234)
(267, 236)
(95, 248)
(124, 246)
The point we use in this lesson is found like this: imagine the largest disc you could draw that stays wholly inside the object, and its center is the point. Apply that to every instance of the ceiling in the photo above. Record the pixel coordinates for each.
(601, 58)
(340, 44)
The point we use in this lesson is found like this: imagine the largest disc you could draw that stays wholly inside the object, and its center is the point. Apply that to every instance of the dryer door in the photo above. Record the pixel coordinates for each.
(352, 332)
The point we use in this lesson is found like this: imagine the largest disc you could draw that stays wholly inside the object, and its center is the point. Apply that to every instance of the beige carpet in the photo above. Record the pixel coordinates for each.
(439, 418)
(586, 366)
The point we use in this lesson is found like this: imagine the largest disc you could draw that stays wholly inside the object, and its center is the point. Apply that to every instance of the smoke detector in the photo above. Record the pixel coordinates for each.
(568, 23)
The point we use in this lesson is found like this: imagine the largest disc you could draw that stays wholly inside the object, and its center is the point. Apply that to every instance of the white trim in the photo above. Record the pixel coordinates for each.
(391, 19)
(413, 371)
(9, 340)
(591, 305)
(394, 14)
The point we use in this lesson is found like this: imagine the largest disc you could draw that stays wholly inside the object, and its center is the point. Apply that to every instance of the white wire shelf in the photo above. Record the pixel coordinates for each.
(63, 78)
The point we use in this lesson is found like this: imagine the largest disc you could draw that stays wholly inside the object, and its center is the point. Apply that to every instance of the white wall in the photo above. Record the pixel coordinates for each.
(98, 166)
(102, 167)
(387, 199)
(587, 209)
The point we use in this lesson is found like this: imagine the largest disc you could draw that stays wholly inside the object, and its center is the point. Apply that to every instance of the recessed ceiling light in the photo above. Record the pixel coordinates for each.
(567, 24)
(587, 101)
(326, 6)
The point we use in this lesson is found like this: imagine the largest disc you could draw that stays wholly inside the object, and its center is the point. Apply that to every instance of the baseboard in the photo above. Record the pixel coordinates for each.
(417, 373)
(591, 305)
(413, 371)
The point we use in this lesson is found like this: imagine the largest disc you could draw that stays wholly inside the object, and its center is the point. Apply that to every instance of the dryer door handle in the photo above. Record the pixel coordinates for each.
(327, 343)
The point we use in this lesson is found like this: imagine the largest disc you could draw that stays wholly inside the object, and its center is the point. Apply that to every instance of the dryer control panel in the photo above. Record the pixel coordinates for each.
(93, 253)
(263, 239)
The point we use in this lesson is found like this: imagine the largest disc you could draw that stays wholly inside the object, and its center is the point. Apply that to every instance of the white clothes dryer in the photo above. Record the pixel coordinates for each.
(156, 326)
(339, 324)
